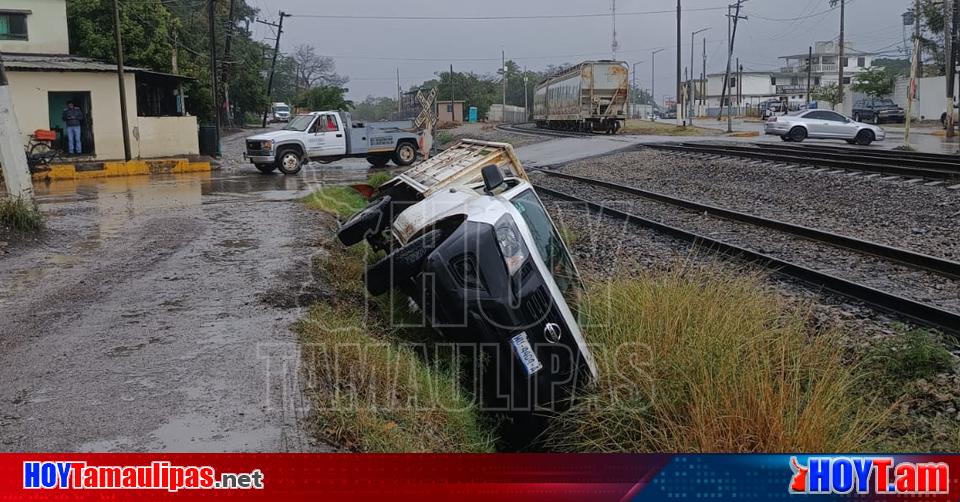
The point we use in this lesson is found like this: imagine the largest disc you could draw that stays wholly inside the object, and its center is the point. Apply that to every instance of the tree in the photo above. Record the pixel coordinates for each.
(324, 98)
(875, 81)
(829, 93)
(375, 109)
(313, 69)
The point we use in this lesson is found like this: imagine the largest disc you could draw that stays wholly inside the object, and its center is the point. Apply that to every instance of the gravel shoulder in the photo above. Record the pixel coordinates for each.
(922, 219)
(488, 132)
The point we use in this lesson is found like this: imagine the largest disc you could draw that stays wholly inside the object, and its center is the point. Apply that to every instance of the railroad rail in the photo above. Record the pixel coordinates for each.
(875, 161)
(536, 131)
(919, 312)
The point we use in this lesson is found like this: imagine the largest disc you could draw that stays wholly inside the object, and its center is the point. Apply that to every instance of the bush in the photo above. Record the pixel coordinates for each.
(707, 360)
(341, 201)
(20, 215)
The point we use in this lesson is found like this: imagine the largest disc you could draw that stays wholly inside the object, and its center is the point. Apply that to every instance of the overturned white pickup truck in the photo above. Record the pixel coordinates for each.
(327, 137)
(471, 243)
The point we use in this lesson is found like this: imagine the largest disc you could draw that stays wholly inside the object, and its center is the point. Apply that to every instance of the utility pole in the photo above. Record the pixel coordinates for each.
(912, 88)
(653, 77)
(453, 91)
(13, 161)
(690, 90)
(120, 82)
(614, 45)
(273, 64)
(840, 62)
(950, 65)
(213, 71)
(703, 75)
(226, 64)
(526, 101)
(679, 90)
(732, 20)
(739, 87)
(399, 97)
(503, 60)
(809, 73)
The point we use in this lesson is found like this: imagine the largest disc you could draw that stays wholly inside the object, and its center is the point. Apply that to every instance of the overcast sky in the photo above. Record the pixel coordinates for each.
(368, 51)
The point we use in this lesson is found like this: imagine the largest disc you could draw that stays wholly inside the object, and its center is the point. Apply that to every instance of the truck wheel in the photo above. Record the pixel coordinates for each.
(289, 161)
(378, 160)
(405, 155)
(403, 264)
(371, 219)
(266, 168)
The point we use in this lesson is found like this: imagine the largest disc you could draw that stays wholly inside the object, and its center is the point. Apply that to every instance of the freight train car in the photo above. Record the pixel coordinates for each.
(591, 96)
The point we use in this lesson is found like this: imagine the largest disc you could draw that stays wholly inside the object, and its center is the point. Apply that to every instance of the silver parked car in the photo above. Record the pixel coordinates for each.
(823, 124)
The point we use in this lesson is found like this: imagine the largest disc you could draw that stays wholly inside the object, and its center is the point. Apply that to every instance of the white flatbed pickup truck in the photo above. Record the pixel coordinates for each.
(327, 137)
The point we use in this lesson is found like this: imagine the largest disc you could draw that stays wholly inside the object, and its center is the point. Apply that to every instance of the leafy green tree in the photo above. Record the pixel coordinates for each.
(374, 109)
(875, 81)
(829, 93)
(144, 25)
(324, 98)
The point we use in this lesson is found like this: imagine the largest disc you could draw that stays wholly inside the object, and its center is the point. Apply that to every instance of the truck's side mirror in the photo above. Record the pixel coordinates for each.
(492, 178)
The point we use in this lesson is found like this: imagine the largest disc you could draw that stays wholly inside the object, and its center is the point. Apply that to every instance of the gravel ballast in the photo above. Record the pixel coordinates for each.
(915, 217)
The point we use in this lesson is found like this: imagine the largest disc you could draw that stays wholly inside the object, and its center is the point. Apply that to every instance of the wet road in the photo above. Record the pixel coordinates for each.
(144, 319)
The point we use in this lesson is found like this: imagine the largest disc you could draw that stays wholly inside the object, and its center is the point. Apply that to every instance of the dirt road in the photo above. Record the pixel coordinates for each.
(138, 322)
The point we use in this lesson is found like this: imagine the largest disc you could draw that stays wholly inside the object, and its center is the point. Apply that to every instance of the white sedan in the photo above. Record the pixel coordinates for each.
(822, 124)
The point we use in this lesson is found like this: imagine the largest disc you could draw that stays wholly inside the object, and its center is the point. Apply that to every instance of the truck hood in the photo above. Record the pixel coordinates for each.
(275, 136)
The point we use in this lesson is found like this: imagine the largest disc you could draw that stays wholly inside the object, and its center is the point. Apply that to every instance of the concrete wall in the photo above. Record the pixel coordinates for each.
(164, 137)
(149, 136)
(514, 115)
(46, 27)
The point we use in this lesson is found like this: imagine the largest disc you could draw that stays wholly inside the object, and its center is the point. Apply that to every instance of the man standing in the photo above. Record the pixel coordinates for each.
(73, 118)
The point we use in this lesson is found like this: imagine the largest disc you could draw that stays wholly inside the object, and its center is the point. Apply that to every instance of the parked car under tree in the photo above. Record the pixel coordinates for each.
(822, 124)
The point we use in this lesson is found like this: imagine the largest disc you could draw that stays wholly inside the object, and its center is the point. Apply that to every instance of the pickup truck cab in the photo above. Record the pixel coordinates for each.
(487, 267)
(877, 110)
(327, 137)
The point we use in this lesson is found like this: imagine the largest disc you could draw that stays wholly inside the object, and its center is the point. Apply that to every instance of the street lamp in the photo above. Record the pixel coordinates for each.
(634, 100)
(690, 84)
(653, 75)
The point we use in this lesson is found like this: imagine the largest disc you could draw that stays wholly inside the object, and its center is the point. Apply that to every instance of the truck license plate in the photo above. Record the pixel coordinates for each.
(526, 354)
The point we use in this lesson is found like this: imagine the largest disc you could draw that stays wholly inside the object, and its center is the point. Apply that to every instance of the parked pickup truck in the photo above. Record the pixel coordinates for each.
(327, 137)
(473, 246)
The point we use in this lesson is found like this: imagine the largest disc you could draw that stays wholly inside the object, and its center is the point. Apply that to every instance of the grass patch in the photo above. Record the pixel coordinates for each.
(443, 138)
(910, 355)
(376, 384)
(647, 127)
(20, 215)
(379, 178)
(708, 360)
(339, 200)
(374, 395)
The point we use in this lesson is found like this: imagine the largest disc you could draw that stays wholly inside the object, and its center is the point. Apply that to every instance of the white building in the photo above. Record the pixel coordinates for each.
(43, 76)
(789, 82)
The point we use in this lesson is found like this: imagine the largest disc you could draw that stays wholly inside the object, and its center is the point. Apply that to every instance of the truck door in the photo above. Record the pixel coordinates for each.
(334, 140)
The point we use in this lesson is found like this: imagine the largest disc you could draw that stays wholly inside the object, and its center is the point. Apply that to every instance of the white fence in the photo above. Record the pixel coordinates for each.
(513, 115)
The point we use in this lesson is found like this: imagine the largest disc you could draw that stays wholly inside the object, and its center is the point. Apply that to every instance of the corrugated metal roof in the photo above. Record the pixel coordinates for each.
(66, 62)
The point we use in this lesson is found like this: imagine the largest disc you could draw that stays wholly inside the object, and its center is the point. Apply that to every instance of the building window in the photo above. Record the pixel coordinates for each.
(450, 109)
(816, 80)
(861, 62)
(844, 62)
(13, 26)
(733, 81)
(773, 80)
(846, 80)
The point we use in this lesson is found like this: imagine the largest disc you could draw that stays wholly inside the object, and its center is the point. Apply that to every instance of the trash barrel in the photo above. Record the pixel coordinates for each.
(208, 140)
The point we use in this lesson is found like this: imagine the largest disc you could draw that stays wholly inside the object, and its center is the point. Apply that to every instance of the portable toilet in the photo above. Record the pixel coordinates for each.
(473, 114)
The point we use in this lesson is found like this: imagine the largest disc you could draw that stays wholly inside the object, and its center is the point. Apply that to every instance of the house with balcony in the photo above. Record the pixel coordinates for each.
(44, 77)
(788, 83)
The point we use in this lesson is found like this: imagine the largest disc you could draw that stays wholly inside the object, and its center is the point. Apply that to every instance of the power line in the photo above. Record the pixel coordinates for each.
(499, 18)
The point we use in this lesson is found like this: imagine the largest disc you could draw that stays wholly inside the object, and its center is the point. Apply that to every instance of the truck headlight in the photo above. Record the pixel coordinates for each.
(512, 248)
(267, 145)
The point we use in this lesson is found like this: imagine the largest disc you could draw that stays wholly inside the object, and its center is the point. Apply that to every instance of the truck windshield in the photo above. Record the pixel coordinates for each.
(281, 108)
(885, 102)
(549, 245)
(299, 123)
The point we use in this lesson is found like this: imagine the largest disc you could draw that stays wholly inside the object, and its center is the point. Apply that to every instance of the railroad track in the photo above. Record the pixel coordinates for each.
(535, 131)
(915, 310)
(934, 167)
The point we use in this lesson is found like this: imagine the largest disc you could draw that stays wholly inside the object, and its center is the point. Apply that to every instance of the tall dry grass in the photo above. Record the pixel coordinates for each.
(707, 360)
(20, 214)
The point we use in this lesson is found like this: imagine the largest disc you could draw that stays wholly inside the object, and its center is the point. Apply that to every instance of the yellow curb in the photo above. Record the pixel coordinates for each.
(120, 168)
